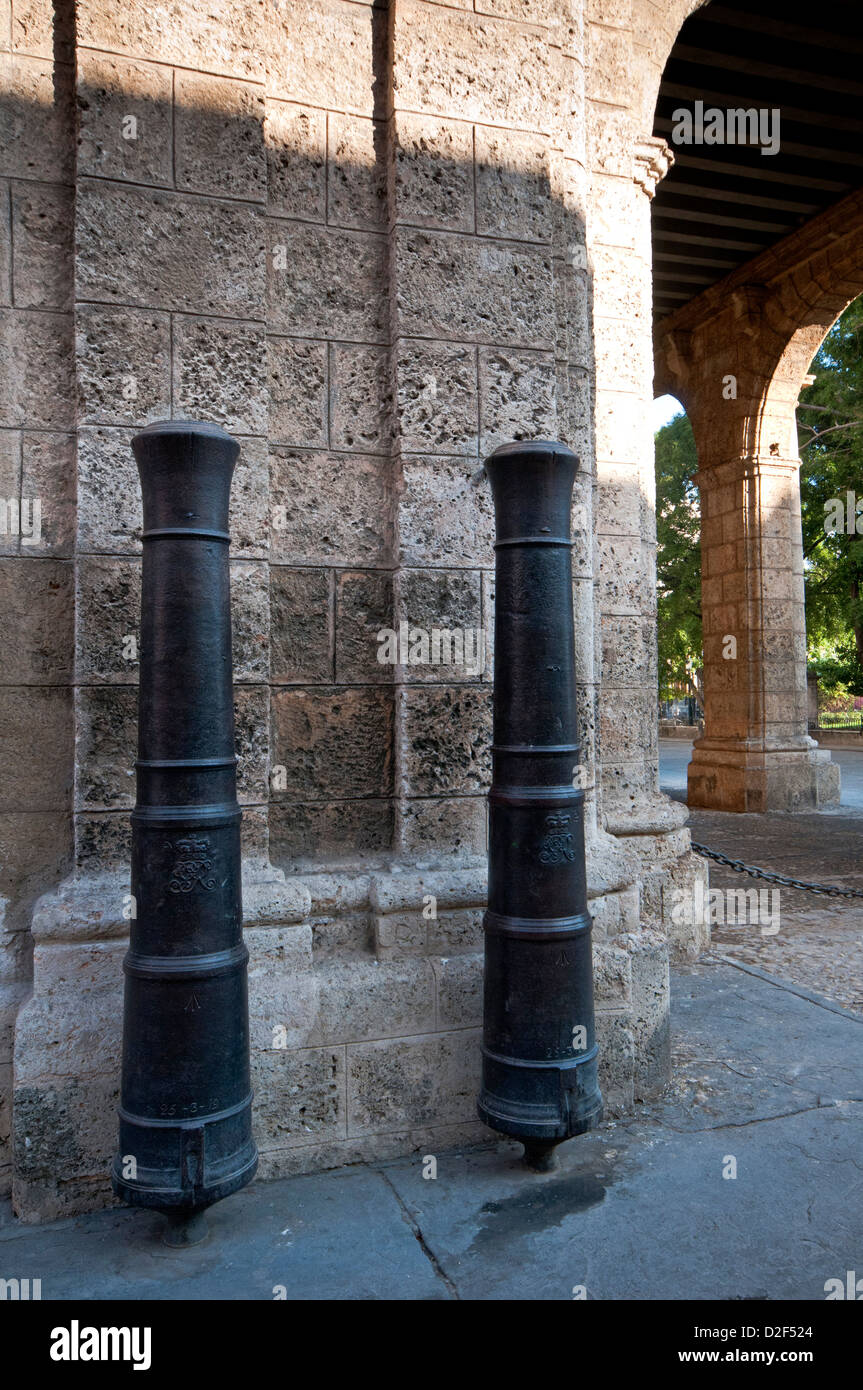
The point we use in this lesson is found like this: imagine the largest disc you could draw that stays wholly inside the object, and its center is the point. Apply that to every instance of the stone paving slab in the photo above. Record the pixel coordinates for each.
(337, 1235)
(638, 1210)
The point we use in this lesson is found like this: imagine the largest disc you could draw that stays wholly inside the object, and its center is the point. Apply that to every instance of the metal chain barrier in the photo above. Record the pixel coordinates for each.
(827, 890)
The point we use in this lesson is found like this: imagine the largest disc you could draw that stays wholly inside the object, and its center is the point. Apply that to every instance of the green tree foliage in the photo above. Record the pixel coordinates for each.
(830, 441)
(678, 557)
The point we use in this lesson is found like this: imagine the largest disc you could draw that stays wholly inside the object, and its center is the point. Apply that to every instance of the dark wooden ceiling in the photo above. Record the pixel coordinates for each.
(721, 204)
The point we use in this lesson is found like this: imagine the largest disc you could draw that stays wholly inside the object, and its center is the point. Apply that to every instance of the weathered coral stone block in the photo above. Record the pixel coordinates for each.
(334, 743)
(399, 934)
(609, 62)
(296, 151)
(299, 1095)
(462, 65)
(36, 28)
(42, 241)
(513, 195)
(360, 397)
(35, 852)
(610, 138)
(623, 581)
(35, 121)
(518, 396)
(400, 1083)
(220, 372)
(326, 510)
(454, 933)
(36, 621)
(312, 834)
(356, 184)
(37, 386)
(447, 602)
(622, 363)
(218, 136)
(436, 826)
(36, 734)
(459, 991)
(434, 173)
(123, 364)
(304, 260)
(616, 1043)
(301, 40)
(103, 840)
(298, 379)
(365, 999)
(364, 607)
(124, 120)
(445, 513)
(64, 1128)
(447, 740)
(301, 634)
(252, 724)
(250, 620)
(48, 473)
(107, 724)
(574, 325)
(109, 613)
(230, 38)
(474, 290)
(628, 650)
(437, 397)
(127, 242)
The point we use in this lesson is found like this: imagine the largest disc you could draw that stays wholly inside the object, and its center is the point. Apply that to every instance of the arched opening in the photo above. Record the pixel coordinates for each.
(830, 437)
(756, 234)
(680, 693)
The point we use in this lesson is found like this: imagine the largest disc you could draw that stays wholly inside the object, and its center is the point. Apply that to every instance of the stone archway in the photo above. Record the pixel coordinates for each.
(737, 357)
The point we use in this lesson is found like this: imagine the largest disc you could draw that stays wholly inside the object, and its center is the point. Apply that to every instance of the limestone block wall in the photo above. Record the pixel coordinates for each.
(373, 241)
(37, 488)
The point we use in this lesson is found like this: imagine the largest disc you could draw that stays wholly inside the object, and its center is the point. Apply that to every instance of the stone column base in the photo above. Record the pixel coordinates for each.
(656, 837)
(726, 775)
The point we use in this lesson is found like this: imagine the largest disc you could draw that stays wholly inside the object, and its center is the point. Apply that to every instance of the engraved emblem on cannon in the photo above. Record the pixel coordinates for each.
(556, 847)
(192, 866)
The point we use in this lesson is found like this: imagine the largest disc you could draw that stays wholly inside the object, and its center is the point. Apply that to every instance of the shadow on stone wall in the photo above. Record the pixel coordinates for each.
(370, 301)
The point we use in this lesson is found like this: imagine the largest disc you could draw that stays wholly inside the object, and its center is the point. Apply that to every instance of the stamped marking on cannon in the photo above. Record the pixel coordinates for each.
(192, 865)
(557, 847)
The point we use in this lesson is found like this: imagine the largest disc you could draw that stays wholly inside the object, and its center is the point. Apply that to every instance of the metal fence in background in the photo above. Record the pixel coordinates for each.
(838, 719)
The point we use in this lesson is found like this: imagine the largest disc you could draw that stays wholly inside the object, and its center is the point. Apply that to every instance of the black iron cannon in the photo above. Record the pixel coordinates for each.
(185, 1110)
(539, 1055)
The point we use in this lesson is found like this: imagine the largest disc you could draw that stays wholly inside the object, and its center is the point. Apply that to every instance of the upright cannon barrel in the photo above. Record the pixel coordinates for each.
(185, 1111)
(539, 1079)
